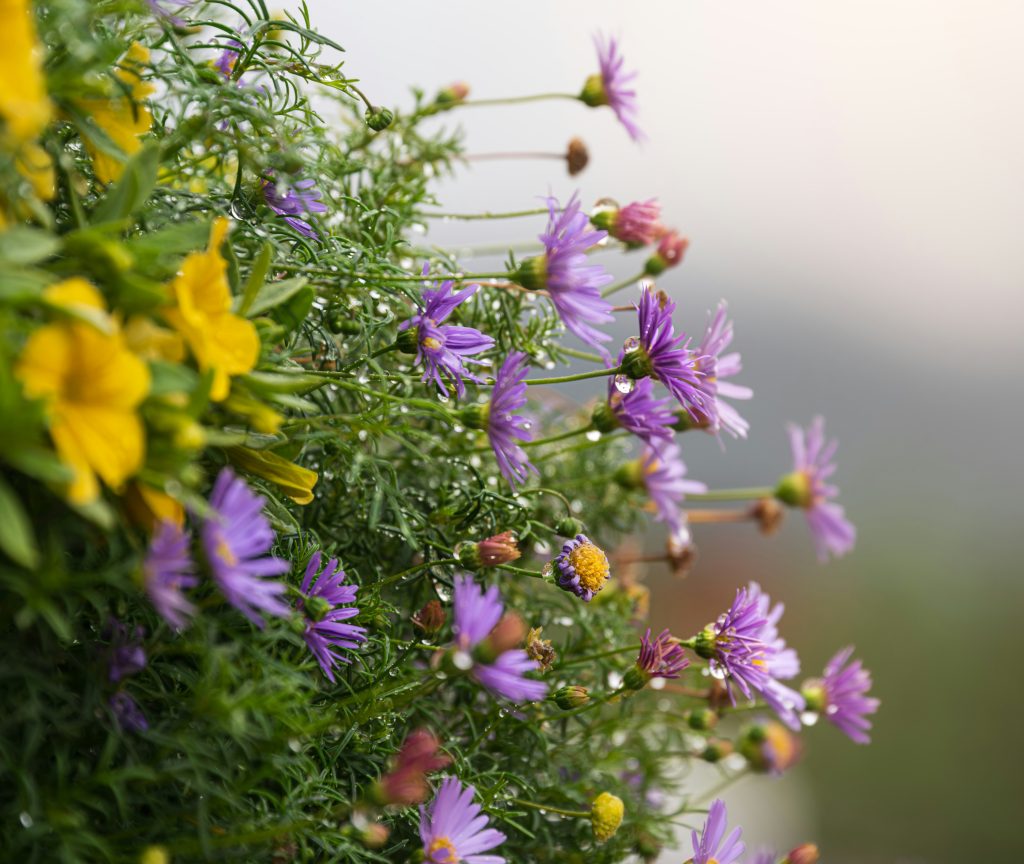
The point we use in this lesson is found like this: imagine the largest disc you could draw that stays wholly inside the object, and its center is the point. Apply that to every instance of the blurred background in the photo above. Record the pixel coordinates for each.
(850, 178)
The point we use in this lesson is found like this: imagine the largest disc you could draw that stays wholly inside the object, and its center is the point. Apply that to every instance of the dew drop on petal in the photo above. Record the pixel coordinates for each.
(631, 344)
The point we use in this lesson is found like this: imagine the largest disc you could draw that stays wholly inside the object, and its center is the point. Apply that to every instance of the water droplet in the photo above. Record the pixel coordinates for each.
(657, 683)
(809, 718)
(631, 344)
(593, 435)
(25, 819)
(462, 661)
(614, 680)
(624, 384)
(719, 672)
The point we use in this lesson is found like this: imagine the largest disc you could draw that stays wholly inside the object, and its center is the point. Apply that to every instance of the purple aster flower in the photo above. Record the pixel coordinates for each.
(716, 368)
(163, 9)
(236, 538)
(324, 601)
(661, 657)
(733, 646)
(443, 349)
(168, 569)
(127, 712)
(612, 86)
(764, 856)
(661, 354)
(839, 696)
(453, 831)
(807, 487)
(581, 567)
(573, 284)
(781, 662)
(298, 199)
(710, 848)
(127, 656)
(505, 428)
(638, 412)
(477, 614)
(664, 476)
(228, 57)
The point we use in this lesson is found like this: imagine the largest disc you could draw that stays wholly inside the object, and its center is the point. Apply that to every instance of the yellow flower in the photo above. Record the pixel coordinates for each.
(606, 816)
(24, 103)
(92, 385)
(149, 506)
(218, 339)
(295, 481)
(153, 342)
(122, 117)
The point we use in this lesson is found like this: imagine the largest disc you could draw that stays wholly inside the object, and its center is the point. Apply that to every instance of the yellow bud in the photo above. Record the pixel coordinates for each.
(295, 481)
(155, 855)
(606, 816)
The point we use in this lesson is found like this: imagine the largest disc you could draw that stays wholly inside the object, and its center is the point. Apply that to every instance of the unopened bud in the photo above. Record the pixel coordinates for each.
(670, 252)
(454, 92)
(648, 847)
(606, 816)
(497, 550)
(430, 618)
(508, 634)
(769, 515)
(805, 853)
(701, 719)
(576, 156)
(378, 118)
(374, 835)
(569, 527)
(716, 751)
(532, 273)
(571, 696)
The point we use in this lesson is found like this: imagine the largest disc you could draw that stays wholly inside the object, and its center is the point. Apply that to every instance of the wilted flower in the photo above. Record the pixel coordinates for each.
(406, 782)
(576, 156)
(606, 814)
(612, 86)
(807, 487)
(839, 696)
(167, 570)
(716, 368)
(453, 831)
(661, 657)
(323, 603)
(582, 567)
(295, 201)
(431, 617)
(671, 249)
(710, 848)
(539, 649)
(505, 428)
(236, 538)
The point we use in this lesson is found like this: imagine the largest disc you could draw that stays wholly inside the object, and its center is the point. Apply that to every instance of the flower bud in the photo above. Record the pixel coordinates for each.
(374, 835)
(606, 816)
(576, 156)
(571, 696)
(769, 515)
(406, 782)
(716, 751)
(630, 475)
(769, 748)
(532, 273)
(378, 118)
(805, 853)
(155, 855)
(701, 719)
(455, 92)
(670, 252)
(408, 341)
(430, 618)
(507, 634)
(603, 418)
(497, 550)
(539, 649)
(794, 489)
(569, 527)
(648, 847)
(593, 93)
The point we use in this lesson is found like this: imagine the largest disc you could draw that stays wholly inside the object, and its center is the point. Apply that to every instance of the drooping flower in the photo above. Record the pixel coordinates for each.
(506, 429)
(219, 340)
(661, 354)
(664, 477)
(606, 814)
(716, 368)
(733, 647)
(91, 386)
(295, 201)
(573, 284)
(709, 847)
(444, 349)
(236, 538)
(840, 696)
(582, 567)
(477, 616)
(127, 656)
(613, 86)
(167, 570)
(781, 662)
(292, 479)
(637, 411)
(661, 657)
(324, 603)
(127, 712)
(769, 748)
(453, 831)
(406, 782)
(637, 224)
(808, 487)
(671, 248)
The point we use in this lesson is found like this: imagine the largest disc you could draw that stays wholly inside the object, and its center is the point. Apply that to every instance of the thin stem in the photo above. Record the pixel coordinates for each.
(579, 376)
(543, 490)
(551, 439)
(426, 565)
(523, 154)
(582, 355)
(624, 284)
(536, 574)
(611, 652)
(385, 277)
(514, 214)
(514, 100)
(716, 790)
(710, 516)
(583, 814)
(733, 494)
(361, 95)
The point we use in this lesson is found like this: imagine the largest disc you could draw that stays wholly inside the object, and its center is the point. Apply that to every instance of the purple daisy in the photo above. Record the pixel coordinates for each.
(709, 847)
(612, 86)
(839, 696)
(323, 602)
(715, 369)
(660, 354)
(664, 476)
(236, 538)
(638, 412)
(167, 570)
(661, 657)
(127, 656)
(733, 647)
(453, 831)
(228, 57)
(505, 428)
(477, 614)
(443, 349)
(581, 568)
(298, 199)
(127, 712)
(573, 284)
(781, 662)
(161, 10)
(807, 487)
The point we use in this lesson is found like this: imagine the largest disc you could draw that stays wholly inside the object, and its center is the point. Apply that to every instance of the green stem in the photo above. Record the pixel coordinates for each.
(715, 791)
(582, 355)
(733, 494)
(306, 270)
(620, 285)
(579, 376)
(515, 100)
(543, 490)
(536, 574)
(583, 814)
(512, 214)
(611, 652)
(426, 565)
(551, 439)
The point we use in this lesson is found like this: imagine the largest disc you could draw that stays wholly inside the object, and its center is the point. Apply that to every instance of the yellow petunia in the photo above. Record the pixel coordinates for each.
(24, 104)
(122, 117)
(92, 386)
(218, 339)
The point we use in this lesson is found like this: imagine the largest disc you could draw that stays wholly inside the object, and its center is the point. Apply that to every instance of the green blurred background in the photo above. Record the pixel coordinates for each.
(850, 175)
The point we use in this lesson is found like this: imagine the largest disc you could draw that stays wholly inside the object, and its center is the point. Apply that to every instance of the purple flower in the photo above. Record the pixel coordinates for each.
(573, 285)
(613, 86)
(236, 538)
(733, 646)
(709, 848)
(453, 831)
(443, 349)
(157, 8)
(661, 657)
(636, 224)
(840, 696)
(127, 656)
(661, 354)
(715, 368)
(167, 570)
(323, 602)
(640, 413)
(505, 428)
(477, 613)
(229, 56)
(764, 856)
(127, 712)
(780, 661)
(664, 476)
(581, 567)
(298, 199)
(807, 487)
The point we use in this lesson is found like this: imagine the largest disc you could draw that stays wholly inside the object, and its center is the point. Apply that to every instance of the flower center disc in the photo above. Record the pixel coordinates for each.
(591, 565)
(442, 851)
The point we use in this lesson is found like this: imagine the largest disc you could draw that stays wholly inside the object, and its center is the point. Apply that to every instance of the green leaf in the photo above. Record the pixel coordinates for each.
(170, 378)
(266, 383)
(128, 194)
(20, 244)
(16, 537)
(292, 313)
(257, 275)
(273, 294)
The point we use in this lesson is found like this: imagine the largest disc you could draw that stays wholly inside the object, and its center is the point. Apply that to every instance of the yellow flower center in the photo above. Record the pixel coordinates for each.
(224, 552)
(591, 565)
(442, 851)
(432, 344)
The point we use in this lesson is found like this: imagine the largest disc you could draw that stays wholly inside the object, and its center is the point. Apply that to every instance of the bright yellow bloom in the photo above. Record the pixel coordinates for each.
(218, 339)
(153, 342)
(295, 481)
(149, 506)
(24, 104)
(122, 117)
(91, 385)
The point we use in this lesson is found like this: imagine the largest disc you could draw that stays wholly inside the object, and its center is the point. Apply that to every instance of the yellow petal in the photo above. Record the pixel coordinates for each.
(149, 506)
(153, 342)
(295, 481)
(44, 362)
(110, 442)
(24, 104)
